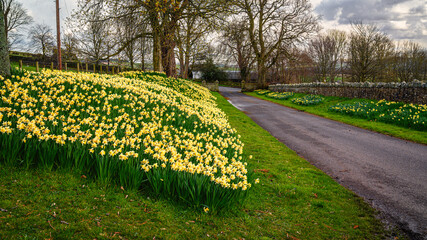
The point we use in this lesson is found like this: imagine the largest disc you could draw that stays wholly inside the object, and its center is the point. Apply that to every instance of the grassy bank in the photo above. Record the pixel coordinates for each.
(294, 200)
(322, 110)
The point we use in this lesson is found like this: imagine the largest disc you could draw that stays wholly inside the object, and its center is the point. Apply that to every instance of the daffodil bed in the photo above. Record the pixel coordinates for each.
(308, 100)
(401, 114)
(262, 91)
(127, 129)
(280, 96)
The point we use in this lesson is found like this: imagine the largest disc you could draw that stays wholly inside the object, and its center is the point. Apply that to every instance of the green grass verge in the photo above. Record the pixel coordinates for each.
(33, 68)
(322, 110)
(293, 200)
(26, 67)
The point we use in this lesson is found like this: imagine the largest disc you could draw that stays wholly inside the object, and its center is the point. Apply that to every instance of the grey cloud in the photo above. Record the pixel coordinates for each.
(418, 10)
(377, 12)
(354, 10)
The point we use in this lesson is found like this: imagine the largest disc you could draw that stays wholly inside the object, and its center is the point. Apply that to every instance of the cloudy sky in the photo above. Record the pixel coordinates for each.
(400, 19)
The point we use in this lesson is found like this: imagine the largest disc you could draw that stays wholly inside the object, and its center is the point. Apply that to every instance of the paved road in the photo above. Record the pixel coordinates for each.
(389, 173)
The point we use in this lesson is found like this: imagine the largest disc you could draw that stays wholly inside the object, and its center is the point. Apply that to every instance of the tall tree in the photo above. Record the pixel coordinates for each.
(15, 17)
(42, 39)
(144, 44)
(95, 33)
(127, 31)
(191, 34)
(70, 46)
(164, 17)
(409, 62)
(4, 52)
(236, 40)
(367, 50)
(274, 25)
(326, 50)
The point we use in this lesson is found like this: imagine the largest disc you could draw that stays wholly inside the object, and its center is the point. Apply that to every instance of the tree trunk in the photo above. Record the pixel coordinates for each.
(142, 49)
(262, 71)
(168, 51)
(4, 50)
(168, 57)
(181, 61)
(157, 52)
(187, 67)
(262, 83)
(187, 58)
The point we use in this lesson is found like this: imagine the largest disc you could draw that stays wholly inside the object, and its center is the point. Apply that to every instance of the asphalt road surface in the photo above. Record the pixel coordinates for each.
(389, 173)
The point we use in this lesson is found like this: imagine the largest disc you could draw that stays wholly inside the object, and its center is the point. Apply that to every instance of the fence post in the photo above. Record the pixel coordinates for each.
(66, 67)
(87, 68)
(94, 69)
(112, 70)
(37, 66)
(20, 64)
(51, 66)
(78, 67)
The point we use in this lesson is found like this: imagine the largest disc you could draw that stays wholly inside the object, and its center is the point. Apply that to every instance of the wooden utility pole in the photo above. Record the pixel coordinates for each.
(58, 35)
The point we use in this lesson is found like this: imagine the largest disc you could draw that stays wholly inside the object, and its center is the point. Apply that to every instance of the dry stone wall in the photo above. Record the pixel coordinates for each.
(413, 92)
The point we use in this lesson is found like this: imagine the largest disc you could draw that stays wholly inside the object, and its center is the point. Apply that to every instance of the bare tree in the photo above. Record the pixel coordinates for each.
(274, 25)
(95, 36)
(128, 28)
(368, 50)
(410, 59)
(42, 39)
(292, 67)
(70, 44)
(235, 38)
(144, 44)
(15, 17)
(4, 52)
(195, 24)
(163, 17)
(326, 50)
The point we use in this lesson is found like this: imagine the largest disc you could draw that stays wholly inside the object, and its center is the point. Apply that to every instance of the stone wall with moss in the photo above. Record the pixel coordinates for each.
(412, 92)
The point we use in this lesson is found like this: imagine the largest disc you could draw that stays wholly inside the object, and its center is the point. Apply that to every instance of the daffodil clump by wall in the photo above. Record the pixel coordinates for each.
(397, 113)
(126, 129)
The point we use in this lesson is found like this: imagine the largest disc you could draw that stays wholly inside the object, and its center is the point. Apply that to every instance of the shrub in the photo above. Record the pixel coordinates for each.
(211, 72)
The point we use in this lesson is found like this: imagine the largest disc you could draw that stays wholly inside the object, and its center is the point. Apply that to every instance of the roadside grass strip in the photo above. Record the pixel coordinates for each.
(405, 115)
(127, 130)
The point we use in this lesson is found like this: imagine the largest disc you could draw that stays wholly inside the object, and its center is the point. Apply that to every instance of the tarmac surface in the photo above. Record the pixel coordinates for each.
(389, 173)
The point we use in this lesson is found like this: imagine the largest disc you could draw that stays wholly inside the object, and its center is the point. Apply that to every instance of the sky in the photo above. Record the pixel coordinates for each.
(400, 19)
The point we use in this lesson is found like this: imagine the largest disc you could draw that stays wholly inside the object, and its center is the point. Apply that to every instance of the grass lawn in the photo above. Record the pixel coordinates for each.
(322, 110)
(293, 200)
(26, 67)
